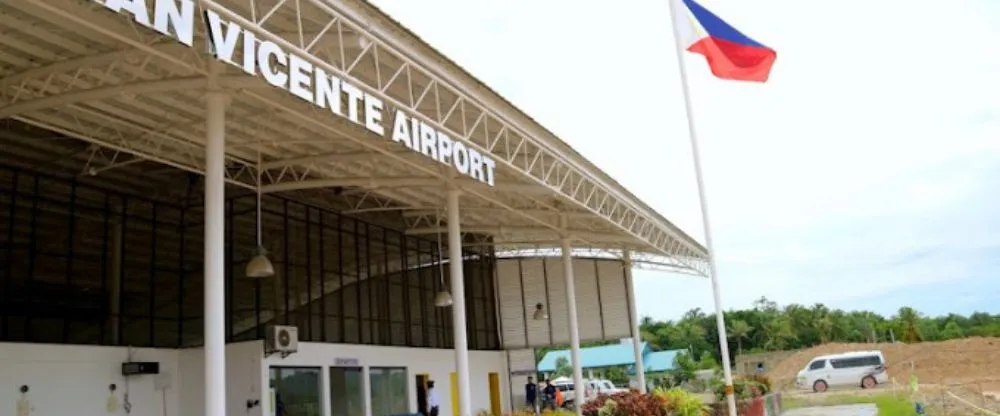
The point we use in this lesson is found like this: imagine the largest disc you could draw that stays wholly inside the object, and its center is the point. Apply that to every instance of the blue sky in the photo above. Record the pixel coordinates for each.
(864, 174)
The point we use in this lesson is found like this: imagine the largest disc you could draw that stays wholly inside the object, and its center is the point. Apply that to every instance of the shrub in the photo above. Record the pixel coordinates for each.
(762, 381)
(679, 402)
(549, 412)
(745, 387)
(625, 404)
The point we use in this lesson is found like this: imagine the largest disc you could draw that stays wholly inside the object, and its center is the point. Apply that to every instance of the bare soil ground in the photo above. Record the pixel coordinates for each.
(969, 368)
(948, 362)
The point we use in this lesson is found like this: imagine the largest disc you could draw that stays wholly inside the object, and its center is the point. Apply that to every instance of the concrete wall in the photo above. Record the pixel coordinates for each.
(244, 377)
(73, 380)
(747, 363)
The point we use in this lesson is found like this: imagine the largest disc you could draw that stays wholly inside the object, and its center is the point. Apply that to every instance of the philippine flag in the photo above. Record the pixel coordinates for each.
(730, 54)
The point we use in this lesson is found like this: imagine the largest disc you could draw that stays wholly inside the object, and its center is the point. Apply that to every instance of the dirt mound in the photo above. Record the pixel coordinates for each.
(947, 362)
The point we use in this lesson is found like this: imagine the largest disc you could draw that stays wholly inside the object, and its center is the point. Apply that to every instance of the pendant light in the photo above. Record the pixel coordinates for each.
(540, 313)
(443, 298)
(259, 266)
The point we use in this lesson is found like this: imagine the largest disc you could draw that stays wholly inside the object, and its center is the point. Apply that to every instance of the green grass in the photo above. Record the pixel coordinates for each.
(888, 405)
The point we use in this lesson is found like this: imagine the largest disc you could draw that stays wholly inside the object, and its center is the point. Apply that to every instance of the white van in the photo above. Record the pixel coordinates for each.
(862, 368)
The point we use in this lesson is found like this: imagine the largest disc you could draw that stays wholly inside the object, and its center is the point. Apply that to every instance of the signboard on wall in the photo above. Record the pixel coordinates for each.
(346, 362)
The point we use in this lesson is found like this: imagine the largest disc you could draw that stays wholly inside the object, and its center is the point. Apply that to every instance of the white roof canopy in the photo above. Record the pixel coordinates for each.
(80, 69)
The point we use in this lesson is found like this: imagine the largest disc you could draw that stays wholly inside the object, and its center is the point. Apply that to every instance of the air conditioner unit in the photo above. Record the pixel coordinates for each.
(281, 338)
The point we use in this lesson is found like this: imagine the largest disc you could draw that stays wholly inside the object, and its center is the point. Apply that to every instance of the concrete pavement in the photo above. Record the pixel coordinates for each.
(846, 410)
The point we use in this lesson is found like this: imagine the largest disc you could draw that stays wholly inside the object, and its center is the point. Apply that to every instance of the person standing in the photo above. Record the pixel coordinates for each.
(432, 399)
(549, 401)
(531, 393)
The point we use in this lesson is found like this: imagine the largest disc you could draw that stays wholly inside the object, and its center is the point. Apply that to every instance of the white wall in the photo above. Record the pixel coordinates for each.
(438, 363)
(244, 375)
(74, 380)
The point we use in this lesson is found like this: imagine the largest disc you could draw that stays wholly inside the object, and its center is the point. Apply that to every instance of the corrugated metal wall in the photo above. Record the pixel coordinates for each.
(601, 298)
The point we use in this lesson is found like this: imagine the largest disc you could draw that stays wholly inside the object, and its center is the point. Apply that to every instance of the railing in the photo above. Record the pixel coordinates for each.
(970, 398)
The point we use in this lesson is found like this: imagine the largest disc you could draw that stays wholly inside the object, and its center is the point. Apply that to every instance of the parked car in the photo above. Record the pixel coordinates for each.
(603, 386)
(866, 369)
(593, 387)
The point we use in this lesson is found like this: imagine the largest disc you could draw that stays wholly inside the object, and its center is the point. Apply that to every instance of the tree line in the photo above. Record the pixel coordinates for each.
(768, 327)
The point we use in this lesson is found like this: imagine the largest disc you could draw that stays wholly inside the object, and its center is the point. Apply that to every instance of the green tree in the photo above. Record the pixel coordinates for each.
(779, 333)
(909, 319)
(617, 375)
(739, 330)
(952, 330)
(563, 369)
(766, 326)
(684, 369)
(707, 361)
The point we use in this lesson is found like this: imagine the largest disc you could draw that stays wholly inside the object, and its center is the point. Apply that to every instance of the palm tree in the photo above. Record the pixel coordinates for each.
(909, 318)
(738, 330)
(691, 334)
(778, 331)
(824, 325)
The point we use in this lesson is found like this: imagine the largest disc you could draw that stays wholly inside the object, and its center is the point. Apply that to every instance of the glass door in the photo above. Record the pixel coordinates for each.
(295, 391)
(347, 391)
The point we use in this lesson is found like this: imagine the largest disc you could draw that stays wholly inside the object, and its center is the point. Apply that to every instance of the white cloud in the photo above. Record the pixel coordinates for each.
(867, 144)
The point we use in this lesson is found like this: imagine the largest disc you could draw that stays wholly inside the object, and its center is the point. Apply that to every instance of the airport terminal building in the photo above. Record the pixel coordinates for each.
(288, 207)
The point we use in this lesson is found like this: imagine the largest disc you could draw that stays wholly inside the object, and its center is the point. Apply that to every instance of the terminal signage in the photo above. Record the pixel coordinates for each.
(346, 362)
(311, 83)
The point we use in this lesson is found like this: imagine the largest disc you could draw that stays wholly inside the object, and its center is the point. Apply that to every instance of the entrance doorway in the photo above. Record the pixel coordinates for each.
(495, 393)
(421, 384)
(347, 393)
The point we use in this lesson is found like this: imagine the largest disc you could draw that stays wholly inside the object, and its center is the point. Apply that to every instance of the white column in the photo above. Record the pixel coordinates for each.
(366, 384)
(574, 330)
(640, 368)
(215, 220)
(458, 304)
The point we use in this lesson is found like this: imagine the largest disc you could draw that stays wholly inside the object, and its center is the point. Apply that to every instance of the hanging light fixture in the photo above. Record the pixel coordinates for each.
(540, 313)
(443, 298)
(259, 266)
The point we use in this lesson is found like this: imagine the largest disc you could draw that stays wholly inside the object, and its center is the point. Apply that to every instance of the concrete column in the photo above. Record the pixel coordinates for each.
(458, 304)
(640, 368)
(215, 265)
(574, 328)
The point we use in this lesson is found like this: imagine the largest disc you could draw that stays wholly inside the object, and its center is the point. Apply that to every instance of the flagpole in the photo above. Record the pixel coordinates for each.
(699, 178)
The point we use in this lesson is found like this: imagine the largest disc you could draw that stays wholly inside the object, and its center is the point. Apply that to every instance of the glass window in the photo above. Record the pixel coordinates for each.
(816, 365)
(866, 361)
(347, 393)
(389, 391)
(295, 391)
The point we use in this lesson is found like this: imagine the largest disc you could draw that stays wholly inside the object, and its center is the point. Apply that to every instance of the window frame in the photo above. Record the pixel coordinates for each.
(406, 385)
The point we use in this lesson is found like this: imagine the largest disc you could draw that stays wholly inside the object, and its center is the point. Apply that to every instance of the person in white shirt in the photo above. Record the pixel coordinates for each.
(432, 398)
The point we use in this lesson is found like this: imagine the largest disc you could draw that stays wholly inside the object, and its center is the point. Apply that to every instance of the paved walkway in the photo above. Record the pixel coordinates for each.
(848, 410)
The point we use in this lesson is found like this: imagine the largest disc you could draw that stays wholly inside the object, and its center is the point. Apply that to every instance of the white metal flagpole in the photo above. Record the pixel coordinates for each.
(699, 177)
